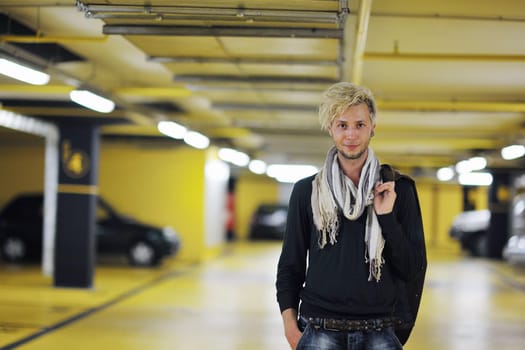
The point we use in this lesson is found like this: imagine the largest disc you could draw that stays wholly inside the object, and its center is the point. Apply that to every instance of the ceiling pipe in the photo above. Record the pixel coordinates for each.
(344, 10)
(442, 57)
(235, 14)
(451, 106)
(222, 31)
(264, 107)
(177, 17)
(32, 39)
(440, 16)
(252, 79)
(434, 106)
(239, 60)
(363, 14)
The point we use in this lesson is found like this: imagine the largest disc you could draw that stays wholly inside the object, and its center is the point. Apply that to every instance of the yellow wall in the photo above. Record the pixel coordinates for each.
(252, 190)
(482, 197)
(161, 186)
(440, 203)
(21, 170)
(449, 203)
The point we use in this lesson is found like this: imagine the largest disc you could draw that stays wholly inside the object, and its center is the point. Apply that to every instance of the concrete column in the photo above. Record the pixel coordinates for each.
(468, 202)
(499, 199)
(76, 206)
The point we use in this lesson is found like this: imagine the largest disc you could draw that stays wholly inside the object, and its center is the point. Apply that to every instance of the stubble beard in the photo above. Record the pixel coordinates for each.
(354, 156)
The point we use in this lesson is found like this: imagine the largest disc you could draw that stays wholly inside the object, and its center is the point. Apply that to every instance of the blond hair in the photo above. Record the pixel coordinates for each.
(339, 97)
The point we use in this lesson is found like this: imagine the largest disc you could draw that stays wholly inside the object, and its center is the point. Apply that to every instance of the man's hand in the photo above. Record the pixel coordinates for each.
(291, 330)
(384, 197)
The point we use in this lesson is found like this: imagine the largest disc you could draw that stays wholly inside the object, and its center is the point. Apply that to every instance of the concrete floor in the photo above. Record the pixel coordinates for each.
(228, 303)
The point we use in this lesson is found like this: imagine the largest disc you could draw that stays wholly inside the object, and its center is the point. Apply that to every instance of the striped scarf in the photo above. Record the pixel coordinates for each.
(332, 190)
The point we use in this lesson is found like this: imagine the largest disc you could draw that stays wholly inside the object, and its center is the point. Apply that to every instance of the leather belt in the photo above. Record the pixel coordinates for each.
(334, 324)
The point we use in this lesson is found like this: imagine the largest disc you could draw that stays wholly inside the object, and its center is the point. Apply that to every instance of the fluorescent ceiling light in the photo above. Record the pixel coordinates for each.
(475, 179)
(172, 129)
(233, 156)
(26, 124)
(196, 140)
(472, 164)
(513, 152)
(92, 101)
(257, 166)
(290, 172)
(445, 174)
(23, 73)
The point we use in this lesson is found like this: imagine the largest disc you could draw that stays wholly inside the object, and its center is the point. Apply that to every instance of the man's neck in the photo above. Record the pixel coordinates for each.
(352, 167)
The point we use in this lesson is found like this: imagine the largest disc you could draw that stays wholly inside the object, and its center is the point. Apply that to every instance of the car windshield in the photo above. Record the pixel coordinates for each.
(105, 211)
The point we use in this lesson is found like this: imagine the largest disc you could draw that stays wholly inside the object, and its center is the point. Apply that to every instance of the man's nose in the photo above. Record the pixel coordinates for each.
(351, 132)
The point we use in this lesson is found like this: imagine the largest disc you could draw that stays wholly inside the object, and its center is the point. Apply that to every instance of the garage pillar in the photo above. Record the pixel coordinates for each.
(76, 206)
(498, 197)
(469, 202)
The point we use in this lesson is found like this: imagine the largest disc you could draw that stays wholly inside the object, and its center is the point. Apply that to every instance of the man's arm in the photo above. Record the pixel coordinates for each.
(292, 262)
(291, 330)
(403, 232)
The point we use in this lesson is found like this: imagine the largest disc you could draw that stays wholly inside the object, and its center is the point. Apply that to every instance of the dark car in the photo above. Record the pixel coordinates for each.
(144, 245)
(470, 229)
(269, 222)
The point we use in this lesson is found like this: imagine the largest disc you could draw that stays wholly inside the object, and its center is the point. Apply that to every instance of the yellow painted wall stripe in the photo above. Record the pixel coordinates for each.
(78, 189)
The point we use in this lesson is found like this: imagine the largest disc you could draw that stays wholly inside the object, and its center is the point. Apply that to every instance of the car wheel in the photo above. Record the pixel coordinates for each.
(480, 246)
(13, 249)
(142, 254)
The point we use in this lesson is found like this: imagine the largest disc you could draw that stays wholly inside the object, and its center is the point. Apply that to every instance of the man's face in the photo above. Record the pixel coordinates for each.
(351, 132)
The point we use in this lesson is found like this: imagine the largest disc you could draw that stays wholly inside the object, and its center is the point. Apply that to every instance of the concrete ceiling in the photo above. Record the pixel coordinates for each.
(449, 76)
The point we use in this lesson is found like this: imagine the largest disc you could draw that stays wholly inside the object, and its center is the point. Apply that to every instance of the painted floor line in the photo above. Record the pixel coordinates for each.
(88, 312)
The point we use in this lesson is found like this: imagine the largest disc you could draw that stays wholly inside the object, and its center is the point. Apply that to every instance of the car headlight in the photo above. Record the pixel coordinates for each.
(169, 233)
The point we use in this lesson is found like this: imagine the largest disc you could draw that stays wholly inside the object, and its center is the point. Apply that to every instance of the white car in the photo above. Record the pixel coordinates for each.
(469, 228)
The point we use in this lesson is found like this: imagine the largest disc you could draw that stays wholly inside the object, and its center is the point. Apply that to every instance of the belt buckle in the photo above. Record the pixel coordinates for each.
(328, 324)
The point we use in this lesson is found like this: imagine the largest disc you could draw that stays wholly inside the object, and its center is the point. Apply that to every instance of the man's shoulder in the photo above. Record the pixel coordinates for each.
(305, 184)
(389, 173)
(306, 181)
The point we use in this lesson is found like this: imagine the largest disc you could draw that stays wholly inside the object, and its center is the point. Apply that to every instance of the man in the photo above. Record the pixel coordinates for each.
(353, 258)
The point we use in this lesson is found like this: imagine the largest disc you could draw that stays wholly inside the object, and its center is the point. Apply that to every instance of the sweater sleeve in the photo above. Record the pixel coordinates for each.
(291, 267)
(403, 232)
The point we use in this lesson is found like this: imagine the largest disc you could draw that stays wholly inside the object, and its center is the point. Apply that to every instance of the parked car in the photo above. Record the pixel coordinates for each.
(144, 245)
(470, 229)
(514, 250)
(269, 222)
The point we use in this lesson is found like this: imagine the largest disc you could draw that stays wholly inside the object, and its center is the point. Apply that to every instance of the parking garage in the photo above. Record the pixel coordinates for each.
(130, 223)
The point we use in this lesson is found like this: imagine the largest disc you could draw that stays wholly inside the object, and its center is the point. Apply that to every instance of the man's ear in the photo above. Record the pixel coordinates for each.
(372, 133)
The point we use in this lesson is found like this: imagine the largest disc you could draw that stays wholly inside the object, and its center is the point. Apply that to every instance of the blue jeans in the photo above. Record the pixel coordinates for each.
(317, 338)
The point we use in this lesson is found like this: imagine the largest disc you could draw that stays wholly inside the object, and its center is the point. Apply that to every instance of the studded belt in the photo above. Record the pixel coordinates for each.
(334, 324)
